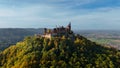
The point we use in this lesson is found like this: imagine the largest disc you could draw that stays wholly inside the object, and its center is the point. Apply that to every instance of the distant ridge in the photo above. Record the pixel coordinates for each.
(9, 36)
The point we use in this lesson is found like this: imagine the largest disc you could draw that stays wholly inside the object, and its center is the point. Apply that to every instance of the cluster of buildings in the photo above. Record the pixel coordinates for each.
(58, 32)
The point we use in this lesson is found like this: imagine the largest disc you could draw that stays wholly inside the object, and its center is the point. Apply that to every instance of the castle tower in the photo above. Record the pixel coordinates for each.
(69, 26)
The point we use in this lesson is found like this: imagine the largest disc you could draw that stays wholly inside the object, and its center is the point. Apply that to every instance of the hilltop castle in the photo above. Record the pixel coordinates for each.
(58, 32)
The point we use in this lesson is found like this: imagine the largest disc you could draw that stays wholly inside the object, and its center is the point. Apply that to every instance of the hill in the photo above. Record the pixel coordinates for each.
(9, 36)
(39, 52)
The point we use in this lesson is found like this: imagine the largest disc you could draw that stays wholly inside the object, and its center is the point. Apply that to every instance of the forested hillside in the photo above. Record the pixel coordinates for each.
(38, 52)
(9, 36)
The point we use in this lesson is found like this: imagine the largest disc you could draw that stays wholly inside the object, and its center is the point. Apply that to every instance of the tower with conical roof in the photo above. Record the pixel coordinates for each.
(69, 26)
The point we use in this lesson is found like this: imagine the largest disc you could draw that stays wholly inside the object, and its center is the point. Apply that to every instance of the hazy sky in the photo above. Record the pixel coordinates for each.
(84, 14)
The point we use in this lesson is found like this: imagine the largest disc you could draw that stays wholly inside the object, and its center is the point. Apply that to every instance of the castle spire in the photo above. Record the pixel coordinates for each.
(69, 25)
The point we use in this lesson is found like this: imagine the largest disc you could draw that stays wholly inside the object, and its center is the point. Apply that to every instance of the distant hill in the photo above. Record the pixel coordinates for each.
(9, 36)
(39, 52)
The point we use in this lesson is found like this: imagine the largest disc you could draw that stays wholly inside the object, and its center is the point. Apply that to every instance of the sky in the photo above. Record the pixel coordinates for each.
(83, 14)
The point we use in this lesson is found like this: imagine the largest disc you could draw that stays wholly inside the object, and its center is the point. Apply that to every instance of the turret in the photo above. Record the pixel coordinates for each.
(69, 26)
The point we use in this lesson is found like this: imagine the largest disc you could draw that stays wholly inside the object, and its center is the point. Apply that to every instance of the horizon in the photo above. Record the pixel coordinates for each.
(71, 29)
(83, 14)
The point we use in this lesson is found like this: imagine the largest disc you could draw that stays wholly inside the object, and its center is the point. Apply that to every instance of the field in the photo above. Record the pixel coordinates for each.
(104, 37)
